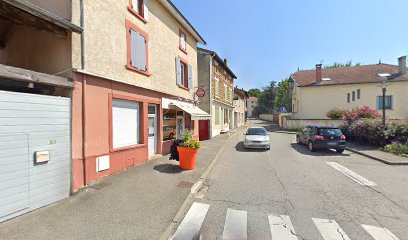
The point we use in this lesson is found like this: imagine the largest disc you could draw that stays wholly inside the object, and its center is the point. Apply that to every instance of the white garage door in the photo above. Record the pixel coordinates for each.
(31, 124)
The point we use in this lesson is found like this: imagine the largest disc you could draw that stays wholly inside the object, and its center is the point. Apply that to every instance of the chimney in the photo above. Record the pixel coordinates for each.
(225, 62)
(318, 72)
(402, 65)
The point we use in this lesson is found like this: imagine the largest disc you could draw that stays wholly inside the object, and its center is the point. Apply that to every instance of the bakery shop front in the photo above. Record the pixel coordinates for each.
(179, 115)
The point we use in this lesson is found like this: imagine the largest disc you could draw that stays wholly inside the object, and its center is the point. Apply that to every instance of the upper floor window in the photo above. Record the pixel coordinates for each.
(137, 53)
(217, 87)
(388, 102)
(225, 92)
(183, 42)
(184, 74)
(139, 8)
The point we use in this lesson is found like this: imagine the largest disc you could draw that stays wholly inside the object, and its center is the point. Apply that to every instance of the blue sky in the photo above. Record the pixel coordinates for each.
(267, 40)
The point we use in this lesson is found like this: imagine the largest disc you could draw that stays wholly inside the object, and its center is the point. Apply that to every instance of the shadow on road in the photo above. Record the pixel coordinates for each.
(324, 152)
(240, 148)
(168, 168)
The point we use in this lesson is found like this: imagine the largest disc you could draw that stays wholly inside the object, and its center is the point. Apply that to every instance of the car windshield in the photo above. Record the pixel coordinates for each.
(257, 131)
(330, 131)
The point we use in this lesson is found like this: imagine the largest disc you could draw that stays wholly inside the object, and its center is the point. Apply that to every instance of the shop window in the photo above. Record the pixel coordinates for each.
(217, 115)
(169, 124)
(125, 123)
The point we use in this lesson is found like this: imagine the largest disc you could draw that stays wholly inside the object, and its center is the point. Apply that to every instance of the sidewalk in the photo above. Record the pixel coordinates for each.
(376, 154)
(136, 204)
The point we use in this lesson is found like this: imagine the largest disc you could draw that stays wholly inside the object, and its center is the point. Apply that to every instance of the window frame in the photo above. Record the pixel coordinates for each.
(140, 16)
(358, 94)
(130, 26)
(217, 87)
(181, 32)
(217, 115)
(140, 143)
(184, 63)
(348, 97)
(225, 92)
(391, 102)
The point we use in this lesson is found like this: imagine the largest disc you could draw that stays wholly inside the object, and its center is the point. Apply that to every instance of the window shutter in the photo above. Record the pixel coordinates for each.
(378, 103)
(190, 77)
(178, 72)
(138, 51)
(146, 9)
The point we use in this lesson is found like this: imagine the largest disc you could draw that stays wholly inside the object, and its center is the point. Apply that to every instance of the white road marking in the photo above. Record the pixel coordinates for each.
(281, 228)
(357, 178)
(235, 226)
(191, 224)
(380, 233)
(329, 229)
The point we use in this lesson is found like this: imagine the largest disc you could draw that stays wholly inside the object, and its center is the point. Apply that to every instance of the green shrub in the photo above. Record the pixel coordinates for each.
(399, 149)
(335, 114)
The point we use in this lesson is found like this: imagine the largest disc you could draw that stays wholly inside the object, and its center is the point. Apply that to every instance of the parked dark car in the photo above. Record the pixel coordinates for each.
(316, 137)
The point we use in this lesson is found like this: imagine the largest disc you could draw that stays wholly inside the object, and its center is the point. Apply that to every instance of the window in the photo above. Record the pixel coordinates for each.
(226, 116)
(184, 74)
(225, 92)
(217, 87)
(231, 94)
(358, 94)
(388, 102)
(125, 123)
(139, 8)
(183, 42)
(217, 115)
(354, 96)
(348, 97)
(137, 43)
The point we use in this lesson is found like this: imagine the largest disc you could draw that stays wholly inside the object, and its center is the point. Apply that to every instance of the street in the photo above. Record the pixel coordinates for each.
(292, 193)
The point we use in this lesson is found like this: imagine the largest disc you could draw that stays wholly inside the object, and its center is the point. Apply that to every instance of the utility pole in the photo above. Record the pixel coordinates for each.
(384, 91)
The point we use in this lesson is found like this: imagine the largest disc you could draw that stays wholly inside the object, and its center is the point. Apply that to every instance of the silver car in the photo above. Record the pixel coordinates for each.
(257, 137)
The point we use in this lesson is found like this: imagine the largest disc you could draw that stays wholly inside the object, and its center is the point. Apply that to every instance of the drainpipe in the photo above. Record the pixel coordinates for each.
(84, 135)
(210, 96)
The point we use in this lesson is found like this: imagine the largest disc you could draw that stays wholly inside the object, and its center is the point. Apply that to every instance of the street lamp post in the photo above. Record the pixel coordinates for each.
(384, 91)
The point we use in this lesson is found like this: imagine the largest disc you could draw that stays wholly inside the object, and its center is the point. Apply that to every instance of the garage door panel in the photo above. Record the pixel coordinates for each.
(7, 113)
(30, 123)
(33, 121)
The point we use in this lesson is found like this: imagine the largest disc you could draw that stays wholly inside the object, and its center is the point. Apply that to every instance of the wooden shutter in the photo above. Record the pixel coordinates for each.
(178, 72)
(190, 77)
(138, 51)
(146, 9)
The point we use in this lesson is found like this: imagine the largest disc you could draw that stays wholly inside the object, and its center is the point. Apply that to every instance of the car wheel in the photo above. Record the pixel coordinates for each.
(298, 140)
(340, 150)
(311, 147)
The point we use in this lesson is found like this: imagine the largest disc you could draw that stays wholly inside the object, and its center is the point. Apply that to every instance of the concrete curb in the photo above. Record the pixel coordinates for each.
(377, 159)
(168, 233)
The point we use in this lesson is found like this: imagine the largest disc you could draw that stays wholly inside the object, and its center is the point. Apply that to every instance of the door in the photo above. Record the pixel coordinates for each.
(33, 125)
(204, 129)
(180, 123)
(152, 130)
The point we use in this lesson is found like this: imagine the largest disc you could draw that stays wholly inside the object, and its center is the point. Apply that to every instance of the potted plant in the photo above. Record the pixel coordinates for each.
(187, 151)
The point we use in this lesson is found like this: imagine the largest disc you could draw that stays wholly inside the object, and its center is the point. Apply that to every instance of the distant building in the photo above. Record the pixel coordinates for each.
(217, 79)
(315, 92)
(252, 103)
(240, 101)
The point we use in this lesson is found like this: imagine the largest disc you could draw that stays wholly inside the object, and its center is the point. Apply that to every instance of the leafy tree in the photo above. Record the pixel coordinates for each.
(338, 65)
(266, 101)
(282, 98)
(254, 92)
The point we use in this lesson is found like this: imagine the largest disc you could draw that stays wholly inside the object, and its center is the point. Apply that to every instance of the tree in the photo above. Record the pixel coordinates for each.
(254, 92)
(266, 101)
(282, 98)
(339, 65)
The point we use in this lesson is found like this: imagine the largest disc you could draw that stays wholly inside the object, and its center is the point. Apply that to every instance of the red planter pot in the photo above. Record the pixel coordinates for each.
(187, 157)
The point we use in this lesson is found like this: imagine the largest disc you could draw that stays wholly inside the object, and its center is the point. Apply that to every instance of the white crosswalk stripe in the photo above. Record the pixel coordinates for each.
(330, 230)
(191, 224)
(235, 226)
(281, 228)
(380, 233)
(357, 178)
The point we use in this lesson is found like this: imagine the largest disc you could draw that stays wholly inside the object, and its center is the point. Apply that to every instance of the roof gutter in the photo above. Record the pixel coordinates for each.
(169, 5)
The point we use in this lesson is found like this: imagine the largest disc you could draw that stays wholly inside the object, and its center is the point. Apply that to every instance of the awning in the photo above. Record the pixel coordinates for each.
(195, 112)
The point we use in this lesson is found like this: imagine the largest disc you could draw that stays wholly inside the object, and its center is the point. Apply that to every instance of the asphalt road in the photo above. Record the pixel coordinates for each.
(291, 193)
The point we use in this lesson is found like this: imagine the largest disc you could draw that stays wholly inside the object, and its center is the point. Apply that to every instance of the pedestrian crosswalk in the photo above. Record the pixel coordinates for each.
(281, 227)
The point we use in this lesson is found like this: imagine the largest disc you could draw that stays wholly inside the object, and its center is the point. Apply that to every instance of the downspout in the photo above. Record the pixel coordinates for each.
(210, 96)
(84, 135)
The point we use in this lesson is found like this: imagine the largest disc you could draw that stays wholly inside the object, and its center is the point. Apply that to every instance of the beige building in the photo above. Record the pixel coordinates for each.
(217, 79)
(252, 103)
(315, 92)
(240, 102)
